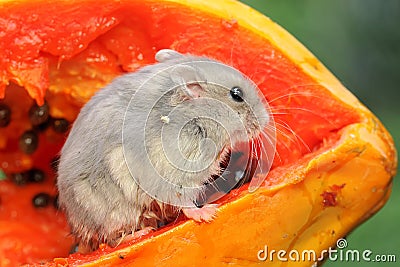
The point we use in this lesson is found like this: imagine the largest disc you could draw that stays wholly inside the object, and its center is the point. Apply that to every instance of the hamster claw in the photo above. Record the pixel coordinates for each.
(135, 235)
(207, 213)
(83, 248)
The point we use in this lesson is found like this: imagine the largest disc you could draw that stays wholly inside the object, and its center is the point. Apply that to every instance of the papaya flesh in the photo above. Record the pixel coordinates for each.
(334, 160)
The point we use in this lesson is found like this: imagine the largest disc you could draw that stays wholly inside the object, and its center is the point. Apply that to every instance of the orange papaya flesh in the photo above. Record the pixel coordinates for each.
(333, 163)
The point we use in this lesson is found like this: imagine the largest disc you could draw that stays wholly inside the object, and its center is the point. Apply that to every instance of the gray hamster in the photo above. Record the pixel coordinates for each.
(143, 148)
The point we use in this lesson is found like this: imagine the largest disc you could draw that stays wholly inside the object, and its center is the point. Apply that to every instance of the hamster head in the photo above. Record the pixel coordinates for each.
(228, 98)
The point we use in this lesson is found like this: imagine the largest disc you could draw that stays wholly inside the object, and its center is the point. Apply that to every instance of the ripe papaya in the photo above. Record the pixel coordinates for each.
(334, 160)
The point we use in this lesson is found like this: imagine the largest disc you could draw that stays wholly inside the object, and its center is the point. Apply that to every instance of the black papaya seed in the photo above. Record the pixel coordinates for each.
(60, 125)
(5, 115)
(28, 142)
(39, 114)
(41, 200)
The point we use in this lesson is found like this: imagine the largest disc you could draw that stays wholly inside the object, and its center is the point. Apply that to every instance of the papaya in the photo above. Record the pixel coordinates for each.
(333, 164)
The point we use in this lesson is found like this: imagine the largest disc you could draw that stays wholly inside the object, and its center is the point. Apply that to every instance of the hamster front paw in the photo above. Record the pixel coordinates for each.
(135, 235)
(206, 213)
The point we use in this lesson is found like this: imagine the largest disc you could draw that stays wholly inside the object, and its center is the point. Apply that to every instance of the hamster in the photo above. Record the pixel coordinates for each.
(144, 147)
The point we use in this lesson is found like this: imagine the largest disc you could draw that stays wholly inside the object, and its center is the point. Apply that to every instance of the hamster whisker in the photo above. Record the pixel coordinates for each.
(264, 151)
(225, 172)
(266, 137)
(297, 137)
(253, 152)
(215, 185)
(233, 46)
(283, 133)
(258, 146)
(203, 196)
(279, 113)
(284, 144)
(294, 94)
(306, 111)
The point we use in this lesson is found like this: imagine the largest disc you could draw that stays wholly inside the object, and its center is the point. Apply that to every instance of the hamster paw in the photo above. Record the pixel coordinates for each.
(206, 213)
(83, 248)
(135, 235)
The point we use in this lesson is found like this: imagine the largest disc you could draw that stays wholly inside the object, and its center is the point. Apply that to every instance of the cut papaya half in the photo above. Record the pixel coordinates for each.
(334, 160)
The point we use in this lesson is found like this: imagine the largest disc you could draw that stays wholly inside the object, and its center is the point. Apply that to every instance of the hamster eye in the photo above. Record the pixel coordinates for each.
(237, 94)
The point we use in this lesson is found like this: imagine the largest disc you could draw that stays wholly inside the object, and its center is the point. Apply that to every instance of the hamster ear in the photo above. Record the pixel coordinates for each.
(167, 54)
(190, 79)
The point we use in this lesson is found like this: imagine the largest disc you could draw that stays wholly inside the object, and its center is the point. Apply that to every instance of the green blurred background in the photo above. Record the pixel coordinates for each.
(359, 41)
